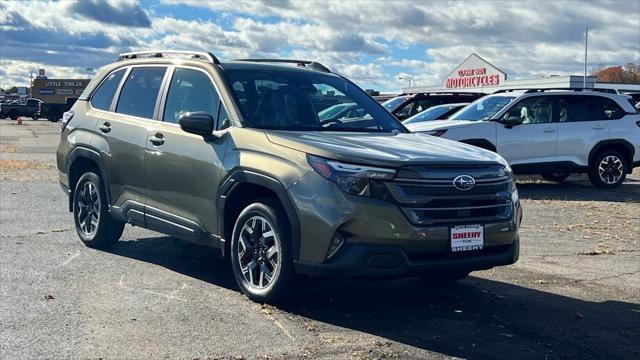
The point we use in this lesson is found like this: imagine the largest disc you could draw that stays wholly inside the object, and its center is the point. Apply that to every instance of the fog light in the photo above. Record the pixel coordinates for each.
(336, 244)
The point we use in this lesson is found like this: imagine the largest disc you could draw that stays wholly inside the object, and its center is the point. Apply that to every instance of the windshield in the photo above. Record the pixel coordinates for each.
(392, 104)
(306, 100)
(432, 113)
(483, 108)
(333, 111)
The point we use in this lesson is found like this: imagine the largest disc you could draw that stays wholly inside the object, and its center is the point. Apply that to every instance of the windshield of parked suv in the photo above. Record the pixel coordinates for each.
(392, 104)
(483, 108)
(335, 110)
(432, 113)
(303, 100)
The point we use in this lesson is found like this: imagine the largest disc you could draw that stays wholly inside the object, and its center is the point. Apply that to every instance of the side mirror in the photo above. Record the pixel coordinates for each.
(512, 121)
(197, 122)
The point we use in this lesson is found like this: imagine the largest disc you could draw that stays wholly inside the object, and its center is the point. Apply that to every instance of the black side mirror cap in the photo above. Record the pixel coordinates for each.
(512, 121)
(197, 122)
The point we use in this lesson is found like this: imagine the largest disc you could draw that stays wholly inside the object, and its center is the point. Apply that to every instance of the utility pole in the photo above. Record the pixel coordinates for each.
(586, 46)
(31, 84)
(406, 78)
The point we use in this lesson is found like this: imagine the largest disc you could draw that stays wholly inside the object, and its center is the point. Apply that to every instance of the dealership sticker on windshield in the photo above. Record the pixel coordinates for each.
(467, 238)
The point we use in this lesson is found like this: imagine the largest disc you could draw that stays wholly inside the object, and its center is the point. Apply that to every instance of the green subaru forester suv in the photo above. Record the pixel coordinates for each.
(240, 156)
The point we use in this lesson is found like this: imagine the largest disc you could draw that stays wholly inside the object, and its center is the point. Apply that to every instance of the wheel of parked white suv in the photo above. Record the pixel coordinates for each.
(608, 169)
(90, 212)
(261, 253)
(555, 177)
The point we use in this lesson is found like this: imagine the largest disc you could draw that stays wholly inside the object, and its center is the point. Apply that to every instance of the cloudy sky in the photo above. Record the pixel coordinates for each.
(372, 42)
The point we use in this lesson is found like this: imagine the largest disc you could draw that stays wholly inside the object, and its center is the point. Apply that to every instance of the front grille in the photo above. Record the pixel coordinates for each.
(427, 196)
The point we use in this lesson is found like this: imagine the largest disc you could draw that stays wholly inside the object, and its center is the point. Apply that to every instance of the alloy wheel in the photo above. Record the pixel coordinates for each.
(610, 169)
(88, 213)
(258, 252)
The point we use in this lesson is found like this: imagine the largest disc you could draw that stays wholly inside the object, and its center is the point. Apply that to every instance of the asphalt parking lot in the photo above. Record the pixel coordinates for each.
(575, 293)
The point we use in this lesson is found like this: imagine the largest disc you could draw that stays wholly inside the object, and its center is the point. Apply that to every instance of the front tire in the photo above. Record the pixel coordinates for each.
(94, 226)
(556, 177)
(608, 170)
(261, 256)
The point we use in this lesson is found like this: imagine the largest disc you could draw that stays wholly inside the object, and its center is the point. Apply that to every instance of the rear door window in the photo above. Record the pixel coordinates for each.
(103, 97)
(140, 91)
(578, 108)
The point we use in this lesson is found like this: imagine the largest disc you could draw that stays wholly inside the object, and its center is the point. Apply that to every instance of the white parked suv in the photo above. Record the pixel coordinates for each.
(551, 132)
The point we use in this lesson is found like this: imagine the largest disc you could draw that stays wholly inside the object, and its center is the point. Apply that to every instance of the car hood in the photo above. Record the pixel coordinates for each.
(437, 125)
(383, 149)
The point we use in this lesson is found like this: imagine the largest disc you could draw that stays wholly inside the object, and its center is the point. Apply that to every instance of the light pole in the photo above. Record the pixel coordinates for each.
(586, 46)
(406, 78)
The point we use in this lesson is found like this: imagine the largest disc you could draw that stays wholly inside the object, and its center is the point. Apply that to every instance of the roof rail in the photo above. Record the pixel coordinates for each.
(201, 55)
(529, 90)
(302, 63)
(441, 92)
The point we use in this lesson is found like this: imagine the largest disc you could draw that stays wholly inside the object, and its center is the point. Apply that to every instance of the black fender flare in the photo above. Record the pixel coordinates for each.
(91, 154)
(604, 143)
(481, 143)
(244, 176)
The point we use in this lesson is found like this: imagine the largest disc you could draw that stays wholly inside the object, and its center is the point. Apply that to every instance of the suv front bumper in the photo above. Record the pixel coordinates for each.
(365, 261)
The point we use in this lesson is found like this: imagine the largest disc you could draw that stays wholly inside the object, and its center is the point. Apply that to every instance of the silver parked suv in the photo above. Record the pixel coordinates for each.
(551, 132)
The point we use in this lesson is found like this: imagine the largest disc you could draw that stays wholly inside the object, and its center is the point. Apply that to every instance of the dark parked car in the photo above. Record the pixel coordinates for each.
(405, 106)
(53, 112)
(30, 109)
(438, 112)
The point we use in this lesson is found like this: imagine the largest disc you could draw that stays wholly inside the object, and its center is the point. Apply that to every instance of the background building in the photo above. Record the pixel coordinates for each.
(57, 91)
(475, 74)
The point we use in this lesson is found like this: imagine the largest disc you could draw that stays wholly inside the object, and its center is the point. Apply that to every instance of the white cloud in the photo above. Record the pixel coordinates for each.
(372, 42)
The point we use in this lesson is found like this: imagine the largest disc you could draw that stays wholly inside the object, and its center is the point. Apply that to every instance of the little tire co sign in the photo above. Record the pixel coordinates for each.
(474, 72)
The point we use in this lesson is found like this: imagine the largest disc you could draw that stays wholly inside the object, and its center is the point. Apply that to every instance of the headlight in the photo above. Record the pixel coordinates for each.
(506, 171)
(436, 132)
(354, 179)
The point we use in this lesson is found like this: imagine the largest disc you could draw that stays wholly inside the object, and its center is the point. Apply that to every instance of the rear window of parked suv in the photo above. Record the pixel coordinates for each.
(103, 97)
(587, 108)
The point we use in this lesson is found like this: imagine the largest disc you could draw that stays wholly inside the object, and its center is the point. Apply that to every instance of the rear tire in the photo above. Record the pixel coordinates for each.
(260, 252)
(555, 177)
(54, 116)
(94, 226)
(608, 170)
(13, 115)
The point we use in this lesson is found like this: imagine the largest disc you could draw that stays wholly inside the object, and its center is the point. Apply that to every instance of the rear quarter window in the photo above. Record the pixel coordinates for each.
(103, 97)
(610, 109)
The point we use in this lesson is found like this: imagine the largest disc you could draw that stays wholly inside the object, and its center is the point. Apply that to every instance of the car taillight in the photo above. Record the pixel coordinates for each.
(66, 117)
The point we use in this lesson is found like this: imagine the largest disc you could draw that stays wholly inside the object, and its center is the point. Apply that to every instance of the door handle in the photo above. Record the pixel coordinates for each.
(106, 127)
(597, 127)
(549, 130)
(157, 139)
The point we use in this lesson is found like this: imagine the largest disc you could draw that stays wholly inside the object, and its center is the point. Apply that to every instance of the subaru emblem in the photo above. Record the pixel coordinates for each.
(464, 182)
